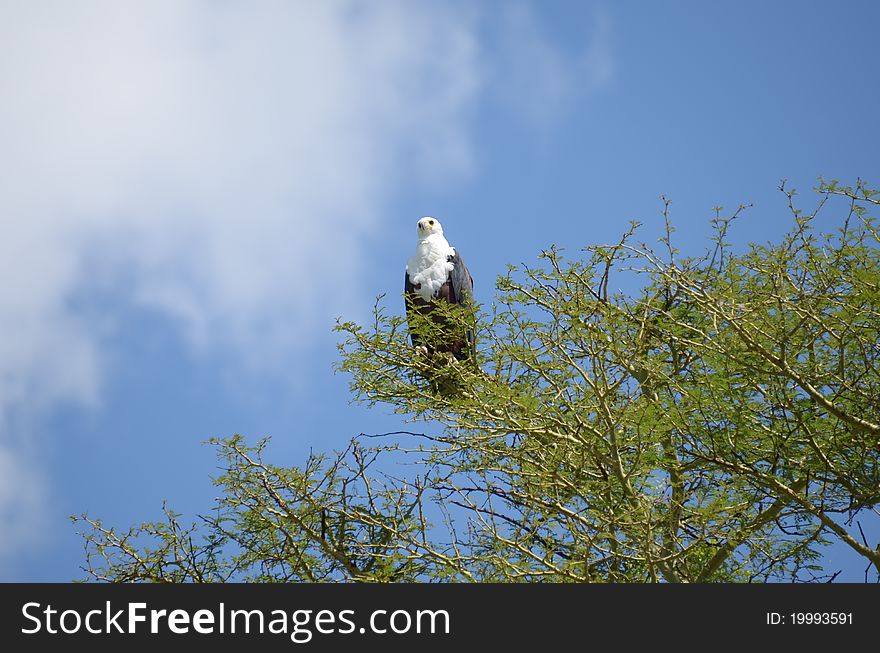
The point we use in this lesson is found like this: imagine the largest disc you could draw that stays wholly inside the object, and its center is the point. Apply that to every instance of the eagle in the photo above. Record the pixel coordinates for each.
(437, 273)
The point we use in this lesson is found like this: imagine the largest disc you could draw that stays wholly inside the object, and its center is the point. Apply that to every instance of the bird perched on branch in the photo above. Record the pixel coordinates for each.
(437, 273)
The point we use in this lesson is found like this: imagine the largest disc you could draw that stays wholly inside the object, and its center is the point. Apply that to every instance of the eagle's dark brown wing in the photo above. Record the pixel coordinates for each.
(462, 287)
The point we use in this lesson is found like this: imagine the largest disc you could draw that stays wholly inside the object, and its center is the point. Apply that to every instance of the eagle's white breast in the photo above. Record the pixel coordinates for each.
(429, 265)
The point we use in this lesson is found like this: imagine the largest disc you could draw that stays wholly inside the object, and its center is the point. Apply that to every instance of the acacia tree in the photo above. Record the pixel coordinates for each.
(721, 423)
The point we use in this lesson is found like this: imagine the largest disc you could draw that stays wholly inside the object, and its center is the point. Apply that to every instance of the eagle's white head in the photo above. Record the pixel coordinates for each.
(429, 226)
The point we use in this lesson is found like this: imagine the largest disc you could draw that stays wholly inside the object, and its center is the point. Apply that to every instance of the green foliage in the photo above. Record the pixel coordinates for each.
(722, 423)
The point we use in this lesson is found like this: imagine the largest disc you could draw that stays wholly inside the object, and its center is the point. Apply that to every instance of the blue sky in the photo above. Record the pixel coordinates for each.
(192, 192)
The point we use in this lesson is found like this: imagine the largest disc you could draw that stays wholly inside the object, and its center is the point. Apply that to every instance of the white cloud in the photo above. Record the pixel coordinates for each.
(219, 163)
(22, 503)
